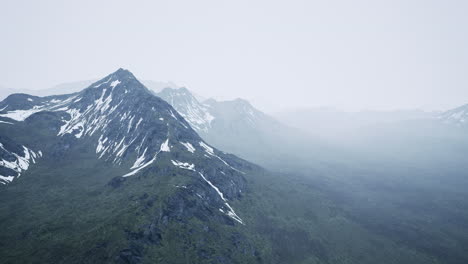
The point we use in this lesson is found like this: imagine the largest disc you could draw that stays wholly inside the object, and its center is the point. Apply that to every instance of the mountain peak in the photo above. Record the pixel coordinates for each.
(117, 77)
(120, 81)
(123, 74)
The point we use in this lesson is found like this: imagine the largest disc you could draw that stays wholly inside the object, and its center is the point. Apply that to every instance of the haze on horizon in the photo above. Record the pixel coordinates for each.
(381, 55)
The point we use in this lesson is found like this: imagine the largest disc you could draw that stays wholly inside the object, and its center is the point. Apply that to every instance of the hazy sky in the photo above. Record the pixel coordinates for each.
(278, 54)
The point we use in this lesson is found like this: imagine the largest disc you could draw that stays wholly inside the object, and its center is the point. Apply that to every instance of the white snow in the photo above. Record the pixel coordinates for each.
(138, 124)
(207, 148)
(20, 115)
(141, 167)
(73, 124)
(19, 164)
(96, 86)
(210, 151)
(231, 212)
(122, 150)
(165, 146)
(139, 160)
(101, 143)
(114, 83)
(130, 124)
(6, 178)
(183, 165)
(81, 127)
(30, 100)
(116, 148)
(65, 108)
(5, 122)
(189, 146)
(172, 114)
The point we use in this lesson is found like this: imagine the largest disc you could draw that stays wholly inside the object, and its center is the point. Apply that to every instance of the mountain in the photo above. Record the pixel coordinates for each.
(151, 129)
(89, 144)
(216, 115)
(457, 116)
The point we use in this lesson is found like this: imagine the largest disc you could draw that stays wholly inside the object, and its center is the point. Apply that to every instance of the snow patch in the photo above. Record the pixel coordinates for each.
(115, 83)
(189, 146)
(183, 165)
(20, 115)
(165, 146)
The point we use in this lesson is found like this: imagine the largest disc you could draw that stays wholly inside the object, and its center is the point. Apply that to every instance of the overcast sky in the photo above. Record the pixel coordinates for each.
(277, 54)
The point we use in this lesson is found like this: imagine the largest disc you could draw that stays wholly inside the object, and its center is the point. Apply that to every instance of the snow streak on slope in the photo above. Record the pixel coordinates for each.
(139, 165)
(210, 152)
(230, 211)
(189, 146)
(191, 167)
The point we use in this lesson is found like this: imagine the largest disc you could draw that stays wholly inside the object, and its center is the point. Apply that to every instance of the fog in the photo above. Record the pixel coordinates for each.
(350, 55)
(359, 161)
